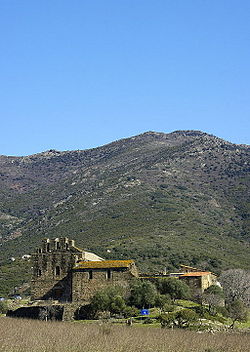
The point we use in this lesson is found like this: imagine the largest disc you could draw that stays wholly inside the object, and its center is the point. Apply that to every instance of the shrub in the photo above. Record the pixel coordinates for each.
(223, 311)
(214, 297)
(200, 310)
(162, 300)
(143, 294)
(237, 312)
(3, 307)
(117, 304)
(168, 307)
(184, 317)
(129, 312)
(148, 321)
(175, 288)
(167, 320)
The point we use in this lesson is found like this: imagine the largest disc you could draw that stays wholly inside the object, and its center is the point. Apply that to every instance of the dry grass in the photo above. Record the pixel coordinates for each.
(17, 335)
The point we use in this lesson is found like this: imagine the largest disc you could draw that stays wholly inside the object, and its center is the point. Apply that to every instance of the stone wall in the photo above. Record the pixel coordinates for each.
(86, 282)
(52, 264)
(198, 284)
(208, 280)
(46, 312)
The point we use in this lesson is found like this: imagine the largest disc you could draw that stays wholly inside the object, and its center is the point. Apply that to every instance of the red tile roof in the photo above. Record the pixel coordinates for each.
(196, 273)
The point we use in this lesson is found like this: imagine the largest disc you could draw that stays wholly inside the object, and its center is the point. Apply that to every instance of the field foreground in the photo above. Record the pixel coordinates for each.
(19, 335)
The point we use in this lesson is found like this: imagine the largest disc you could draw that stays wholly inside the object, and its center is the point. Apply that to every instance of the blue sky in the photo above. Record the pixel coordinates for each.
(79, 74)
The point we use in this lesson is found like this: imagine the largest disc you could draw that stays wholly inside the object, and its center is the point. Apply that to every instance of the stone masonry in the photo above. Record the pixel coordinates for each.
(63, 272)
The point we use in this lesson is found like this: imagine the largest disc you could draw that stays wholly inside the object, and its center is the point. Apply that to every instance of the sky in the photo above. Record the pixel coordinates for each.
(77, 74)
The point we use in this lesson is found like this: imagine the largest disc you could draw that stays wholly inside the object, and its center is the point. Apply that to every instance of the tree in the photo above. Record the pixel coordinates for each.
(100, 301)
(236, 285)
(162, 300)
(143, 294)
(237, 312)
(181, 319)
(175, 288)
(109, 299)
(3, 307)
(214, 297)
(185, 317)
(117, 304)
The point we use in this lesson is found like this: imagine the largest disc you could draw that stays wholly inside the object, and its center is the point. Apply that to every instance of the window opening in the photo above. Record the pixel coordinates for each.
(58, 271)
(90, 275)
(109, 274)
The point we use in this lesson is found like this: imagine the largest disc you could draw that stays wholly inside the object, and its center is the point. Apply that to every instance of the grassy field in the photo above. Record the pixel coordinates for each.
(36, 336)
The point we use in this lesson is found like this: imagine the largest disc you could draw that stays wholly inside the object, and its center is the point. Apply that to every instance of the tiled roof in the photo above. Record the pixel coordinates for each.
(104, 264)
(196, 273)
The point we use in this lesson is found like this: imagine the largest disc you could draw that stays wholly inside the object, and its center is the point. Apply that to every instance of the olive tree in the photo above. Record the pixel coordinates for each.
(109, 299)
(143, 294)
(175, 288)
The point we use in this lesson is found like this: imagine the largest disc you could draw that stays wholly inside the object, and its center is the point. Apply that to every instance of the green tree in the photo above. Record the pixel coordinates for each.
(185, 317)
(162, 300)
(167, 320)
(117, 304)
(3, 307)
(213, 296)
(143, 294)
(100, 301)
(237, 312)
(130, 312)
(175, 288)
(181, 319)
(109, 299)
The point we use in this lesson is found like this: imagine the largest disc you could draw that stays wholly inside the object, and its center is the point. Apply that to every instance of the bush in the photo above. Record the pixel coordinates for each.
(109, 299)
(223, 311)
(237, 312)
(162, 300)
(117, 304)
(129, 312)
(167, 320)
(168, 307)
(148, 321)
(3, 307)
(213, 296)
(175, 288)
(184, 317)
(143, 294)
(200, 310)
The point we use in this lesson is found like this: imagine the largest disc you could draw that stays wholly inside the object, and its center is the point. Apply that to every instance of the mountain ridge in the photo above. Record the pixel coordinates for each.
(159, 198)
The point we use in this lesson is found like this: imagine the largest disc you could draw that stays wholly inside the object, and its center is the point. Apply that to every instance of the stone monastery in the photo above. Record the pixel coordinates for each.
(66, 273)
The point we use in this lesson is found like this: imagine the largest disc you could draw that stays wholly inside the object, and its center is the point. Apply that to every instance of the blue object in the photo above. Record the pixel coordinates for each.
(144, 311)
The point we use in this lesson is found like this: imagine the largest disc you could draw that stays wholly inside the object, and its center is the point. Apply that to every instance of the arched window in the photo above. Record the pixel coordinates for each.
(90, 275)
(57, 270)
(48, 247)
(57, 245)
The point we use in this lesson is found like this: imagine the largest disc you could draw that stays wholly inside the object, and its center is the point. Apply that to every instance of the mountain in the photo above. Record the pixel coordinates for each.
(162, 199)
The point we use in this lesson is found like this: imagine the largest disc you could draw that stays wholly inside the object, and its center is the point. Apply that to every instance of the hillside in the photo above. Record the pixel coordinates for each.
(162, 199)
